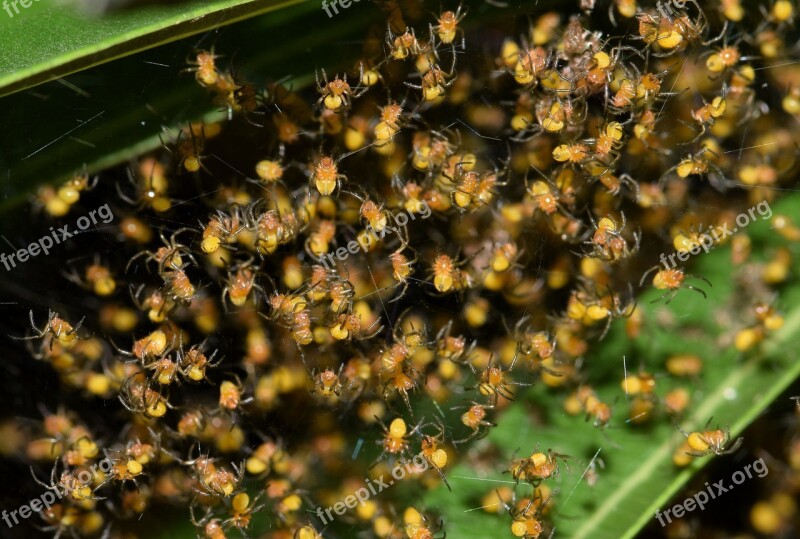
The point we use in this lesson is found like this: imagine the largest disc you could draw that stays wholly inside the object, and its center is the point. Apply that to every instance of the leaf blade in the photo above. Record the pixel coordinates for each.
(83, 41)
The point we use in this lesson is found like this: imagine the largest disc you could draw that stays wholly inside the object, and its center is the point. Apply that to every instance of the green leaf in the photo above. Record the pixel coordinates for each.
(639, 477)
(48, 40)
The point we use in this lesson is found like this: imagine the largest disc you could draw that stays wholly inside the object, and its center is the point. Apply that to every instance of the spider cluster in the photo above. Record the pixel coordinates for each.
(506, 213)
